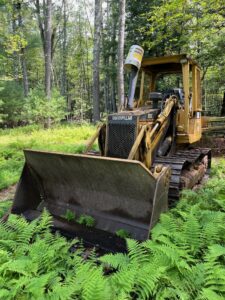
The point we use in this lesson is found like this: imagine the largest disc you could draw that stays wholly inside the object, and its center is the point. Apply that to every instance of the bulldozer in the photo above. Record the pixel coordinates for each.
(146, 157)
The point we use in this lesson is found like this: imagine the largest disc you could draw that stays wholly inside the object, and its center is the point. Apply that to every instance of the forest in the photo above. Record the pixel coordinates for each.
(62, 74)
(60, 60)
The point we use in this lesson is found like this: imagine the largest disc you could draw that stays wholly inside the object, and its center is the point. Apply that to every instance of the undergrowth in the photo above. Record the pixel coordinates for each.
(184, 259)
(68, 138)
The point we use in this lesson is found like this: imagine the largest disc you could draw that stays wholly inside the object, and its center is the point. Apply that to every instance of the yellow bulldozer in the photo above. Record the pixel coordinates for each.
(146, 157)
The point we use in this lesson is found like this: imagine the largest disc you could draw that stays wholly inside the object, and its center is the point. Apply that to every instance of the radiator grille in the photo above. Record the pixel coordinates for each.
(121, 137)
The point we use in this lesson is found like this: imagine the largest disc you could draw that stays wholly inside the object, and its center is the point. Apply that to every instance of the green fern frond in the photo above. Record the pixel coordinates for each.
(8, 245)
(117, 261)
(192, 233)
(45, 222)
(214, 252)
(19, 266)
(169, 222)
(37, 286)
(209, 294)
(219, 201)
(147, 279)
(5, 294)
(171, 293)
(169, 255)
(124, 281)
(137, 252)
(96, 287)
(4, 256)
(194, 279)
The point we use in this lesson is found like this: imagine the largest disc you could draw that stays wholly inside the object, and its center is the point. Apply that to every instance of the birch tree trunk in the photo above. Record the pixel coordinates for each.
(96, 59)
(120, 71)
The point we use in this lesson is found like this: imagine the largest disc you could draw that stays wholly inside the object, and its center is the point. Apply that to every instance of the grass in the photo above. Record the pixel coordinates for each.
(68, 138)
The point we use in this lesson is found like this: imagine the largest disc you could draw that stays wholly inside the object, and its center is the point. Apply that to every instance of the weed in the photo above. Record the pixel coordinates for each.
(122, 233)
(86, 220)
(69, 215)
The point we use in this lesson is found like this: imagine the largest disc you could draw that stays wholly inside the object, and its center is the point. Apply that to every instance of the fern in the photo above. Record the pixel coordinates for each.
(192, 233)
(117, 261)
(45, 222)
(209, 294)
(137, 252)
(184, 259)
(123, 282)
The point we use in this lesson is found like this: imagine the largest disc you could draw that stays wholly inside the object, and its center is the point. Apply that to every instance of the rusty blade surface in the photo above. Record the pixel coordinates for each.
(118, 193)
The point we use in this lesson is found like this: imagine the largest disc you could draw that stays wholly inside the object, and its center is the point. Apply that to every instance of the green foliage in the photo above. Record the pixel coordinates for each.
(4, 207)
(86, 220)
(185, 258)
(37, 108)
(1, 111)
(68, 138)
(83, 219)
(69, 215)
(11, 101)
(14, 43)
(35, 264)
(122, 233)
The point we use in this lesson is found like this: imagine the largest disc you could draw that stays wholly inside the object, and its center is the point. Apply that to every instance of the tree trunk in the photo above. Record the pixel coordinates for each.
(25, 76)
(113, 64)
(40, 24)
(64, 49)
(113, 87)
(48, 48)
(223, 106)
(48, 52)
(120, 71)
(15, 55)
(96, 60)
(23, 58)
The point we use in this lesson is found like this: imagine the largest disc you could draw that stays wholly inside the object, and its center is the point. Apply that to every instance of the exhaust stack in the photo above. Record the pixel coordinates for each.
(133, 64)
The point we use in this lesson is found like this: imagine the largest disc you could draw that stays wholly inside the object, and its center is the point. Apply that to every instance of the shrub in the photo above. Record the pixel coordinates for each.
(11, 102)
(38, 108)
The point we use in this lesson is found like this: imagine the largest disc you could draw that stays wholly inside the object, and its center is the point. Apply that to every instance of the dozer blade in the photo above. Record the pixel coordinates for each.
(117, 193)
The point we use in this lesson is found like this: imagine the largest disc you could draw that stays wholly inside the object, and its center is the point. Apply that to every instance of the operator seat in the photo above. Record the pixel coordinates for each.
(156, 99)
(177, 92)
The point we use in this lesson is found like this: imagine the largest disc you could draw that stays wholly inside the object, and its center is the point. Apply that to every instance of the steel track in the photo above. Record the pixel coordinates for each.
(178, 162)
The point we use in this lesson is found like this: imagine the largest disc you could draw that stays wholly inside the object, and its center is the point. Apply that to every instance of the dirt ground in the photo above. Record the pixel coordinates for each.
(7, 194)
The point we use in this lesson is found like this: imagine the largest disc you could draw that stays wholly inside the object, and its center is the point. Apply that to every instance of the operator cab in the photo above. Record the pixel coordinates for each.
(152, 91)
(179, 75)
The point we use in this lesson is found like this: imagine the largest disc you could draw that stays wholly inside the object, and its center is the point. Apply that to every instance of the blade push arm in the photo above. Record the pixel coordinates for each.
(152, 136)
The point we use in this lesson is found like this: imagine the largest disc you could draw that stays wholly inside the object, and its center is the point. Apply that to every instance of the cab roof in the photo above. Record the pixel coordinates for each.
(166, 64)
